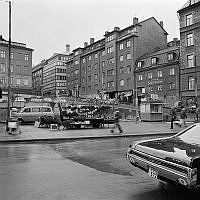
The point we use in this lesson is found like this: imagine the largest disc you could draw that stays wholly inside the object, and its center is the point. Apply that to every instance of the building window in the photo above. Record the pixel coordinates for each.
(76, 62)
(139, 64)
(90, 57)
(103, 63)
(18, 81)
(128, 56)
(26, 82)
(170, 56)
(95, 76)
(110, 49)
(95, 66)
(159, 87)
(83, 80)
(128, 82)
(191, 83)
(3, 67)
(190, 39)
(110, 72)
(121, 83)
(12, 55)
(153, 61)
(83, 60)
(96, 56)
(121, 58)
(110, 61)
(89, 87)
(128, 43)
(11, 80)
(103, 53)
(128, 69)
(121, 70)
(89, 68)
(26, 57)
(110, 84)
(190, 60)
(159, 73)
(171, 71)
(109, 38)
(150, 75)
(189, 20)
(11, 68)
(76, 53)
(3, 54)
(150, 88)
(2, 80)
(172, 86)
(76, 72)
(140, 77)
(121, 46)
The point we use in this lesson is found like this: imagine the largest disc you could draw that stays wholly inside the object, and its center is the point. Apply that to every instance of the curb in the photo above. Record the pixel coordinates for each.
(36, 140)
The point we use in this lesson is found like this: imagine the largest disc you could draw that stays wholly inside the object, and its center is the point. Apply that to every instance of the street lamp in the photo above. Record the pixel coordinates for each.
(9, 64)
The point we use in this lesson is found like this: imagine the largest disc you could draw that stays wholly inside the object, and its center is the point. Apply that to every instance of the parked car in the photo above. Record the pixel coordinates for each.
(173, 159)
(32, 113)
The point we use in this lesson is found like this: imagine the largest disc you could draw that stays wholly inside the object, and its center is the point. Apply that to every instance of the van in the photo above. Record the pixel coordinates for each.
(32, 113)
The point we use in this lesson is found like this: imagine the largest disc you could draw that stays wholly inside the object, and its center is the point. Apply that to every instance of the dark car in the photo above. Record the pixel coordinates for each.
(173, 159)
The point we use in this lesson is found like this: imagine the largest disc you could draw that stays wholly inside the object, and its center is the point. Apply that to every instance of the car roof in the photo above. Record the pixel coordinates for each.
(37, 107)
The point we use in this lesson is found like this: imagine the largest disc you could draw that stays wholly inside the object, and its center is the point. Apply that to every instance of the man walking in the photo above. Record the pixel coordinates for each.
(116, 122)
(173, 117)
(183, 116)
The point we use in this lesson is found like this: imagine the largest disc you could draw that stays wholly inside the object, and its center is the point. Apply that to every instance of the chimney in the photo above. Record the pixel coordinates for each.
(85, 44)
(161, 23)
(135, 21)
(67, 46)
(91, 40)
(175, 39)
(116, 28)
(107, 32)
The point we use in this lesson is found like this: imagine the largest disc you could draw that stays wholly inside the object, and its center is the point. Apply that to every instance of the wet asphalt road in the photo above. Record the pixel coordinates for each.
(87, 169)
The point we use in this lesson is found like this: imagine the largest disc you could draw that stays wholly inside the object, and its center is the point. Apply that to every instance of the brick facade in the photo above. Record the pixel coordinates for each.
(189, 18)
(21, 67)
(105, 67)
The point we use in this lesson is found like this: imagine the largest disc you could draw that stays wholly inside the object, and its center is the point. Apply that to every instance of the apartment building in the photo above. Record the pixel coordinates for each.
(107, 65)
(50, 75)
(21, 67)
(37, 78)
(189, 19)
(157, 75)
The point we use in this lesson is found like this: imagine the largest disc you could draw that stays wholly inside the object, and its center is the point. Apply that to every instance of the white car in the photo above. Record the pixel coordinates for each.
(32, 113)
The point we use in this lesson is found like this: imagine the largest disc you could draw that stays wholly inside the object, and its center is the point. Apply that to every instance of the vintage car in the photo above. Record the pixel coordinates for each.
(174, 159)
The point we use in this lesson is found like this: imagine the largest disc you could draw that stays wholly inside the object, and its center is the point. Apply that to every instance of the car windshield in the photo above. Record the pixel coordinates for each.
(191, 135)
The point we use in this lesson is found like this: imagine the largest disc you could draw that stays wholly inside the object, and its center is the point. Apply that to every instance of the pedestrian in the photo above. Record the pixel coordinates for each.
(183, 116)
(137, 117)
(197, 114)
(173, 117)
(116, 122)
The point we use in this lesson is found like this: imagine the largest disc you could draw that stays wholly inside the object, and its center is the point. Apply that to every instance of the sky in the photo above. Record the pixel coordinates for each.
(48, 25)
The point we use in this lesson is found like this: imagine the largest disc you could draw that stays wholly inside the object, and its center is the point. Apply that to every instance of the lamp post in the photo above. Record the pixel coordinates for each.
(9, 63)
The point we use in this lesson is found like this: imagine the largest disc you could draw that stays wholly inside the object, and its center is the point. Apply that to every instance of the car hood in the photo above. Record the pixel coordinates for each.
(172, 149)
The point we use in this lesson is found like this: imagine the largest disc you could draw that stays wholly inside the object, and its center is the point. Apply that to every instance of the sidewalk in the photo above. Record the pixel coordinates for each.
(31, 133)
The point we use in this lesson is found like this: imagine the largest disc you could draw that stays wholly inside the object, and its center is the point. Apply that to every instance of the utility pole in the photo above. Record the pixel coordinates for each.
(9, 63)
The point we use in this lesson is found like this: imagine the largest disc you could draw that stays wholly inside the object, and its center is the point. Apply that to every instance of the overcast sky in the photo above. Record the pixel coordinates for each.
(48, 25)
